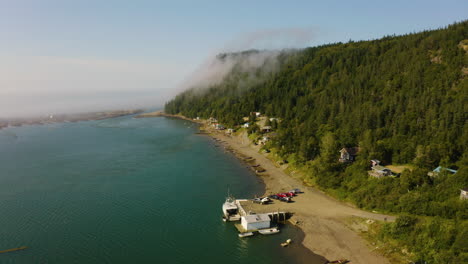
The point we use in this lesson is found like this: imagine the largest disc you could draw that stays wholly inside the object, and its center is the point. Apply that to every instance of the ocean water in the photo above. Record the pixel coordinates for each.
(126, 190)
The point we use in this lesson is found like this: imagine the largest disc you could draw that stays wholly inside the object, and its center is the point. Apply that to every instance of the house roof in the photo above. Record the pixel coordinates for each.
(352, 151)
(255, 218)
(440, 168)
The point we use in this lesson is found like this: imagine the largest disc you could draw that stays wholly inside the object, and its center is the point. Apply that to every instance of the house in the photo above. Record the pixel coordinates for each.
(274, 119)
(246, 125)
(464, 194)
(348, 154)
(440, 170)
(212, 120)
(264, 140)
(265, 129)
(229, 131)
(375, 162)
(380, 171)
(257, 114)
(219, 127)
(255, 222)
(245, 118)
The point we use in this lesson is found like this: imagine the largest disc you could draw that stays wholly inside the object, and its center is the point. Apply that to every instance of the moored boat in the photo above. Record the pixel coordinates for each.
(269, 231)
(230, 209)
(246, 234)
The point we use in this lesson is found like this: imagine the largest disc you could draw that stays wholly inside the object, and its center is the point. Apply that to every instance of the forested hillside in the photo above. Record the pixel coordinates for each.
(400, 99)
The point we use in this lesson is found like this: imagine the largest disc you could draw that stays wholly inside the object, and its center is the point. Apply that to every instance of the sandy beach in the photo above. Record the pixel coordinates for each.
(321, 217)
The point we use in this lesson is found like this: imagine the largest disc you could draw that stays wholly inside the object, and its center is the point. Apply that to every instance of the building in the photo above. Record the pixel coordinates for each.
(219, 127)
(464, 194)
(375, 162)
(255, 222)
(264, 140)
(440, 170)
(212, 120)
(379, 171)
(348, 154)
(257, 114)
(230, 131)
(246, 125)
(266, 129)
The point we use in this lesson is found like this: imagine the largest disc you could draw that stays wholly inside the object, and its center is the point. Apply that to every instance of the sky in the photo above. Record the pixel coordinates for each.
(77, 56)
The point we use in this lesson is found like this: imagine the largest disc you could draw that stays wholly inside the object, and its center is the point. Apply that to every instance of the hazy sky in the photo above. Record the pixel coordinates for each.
(78, 55)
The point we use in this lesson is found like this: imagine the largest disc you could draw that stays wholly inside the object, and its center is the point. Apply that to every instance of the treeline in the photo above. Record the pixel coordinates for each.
(401, 99)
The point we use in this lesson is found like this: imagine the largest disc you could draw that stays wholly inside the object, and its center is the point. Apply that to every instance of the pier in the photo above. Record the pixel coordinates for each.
(246, 209)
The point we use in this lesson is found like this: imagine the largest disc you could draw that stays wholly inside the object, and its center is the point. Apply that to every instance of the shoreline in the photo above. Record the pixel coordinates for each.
(321, 218)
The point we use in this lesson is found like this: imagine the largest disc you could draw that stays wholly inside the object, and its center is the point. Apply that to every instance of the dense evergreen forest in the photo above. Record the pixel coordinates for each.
(400, 99)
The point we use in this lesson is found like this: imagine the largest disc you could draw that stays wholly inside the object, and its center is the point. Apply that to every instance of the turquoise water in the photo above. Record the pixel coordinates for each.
(126, 190)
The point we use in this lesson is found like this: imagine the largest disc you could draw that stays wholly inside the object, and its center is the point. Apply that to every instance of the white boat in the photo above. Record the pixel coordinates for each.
(269, 231)
(247, 234)
(230, 209)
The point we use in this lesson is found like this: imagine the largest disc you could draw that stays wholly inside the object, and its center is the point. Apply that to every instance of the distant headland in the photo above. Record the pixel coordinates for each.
(14, 122)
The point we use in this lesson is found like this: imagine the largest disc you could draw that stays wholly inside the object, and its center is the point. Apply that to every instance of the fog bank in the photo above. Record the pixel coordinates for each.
(38, 85)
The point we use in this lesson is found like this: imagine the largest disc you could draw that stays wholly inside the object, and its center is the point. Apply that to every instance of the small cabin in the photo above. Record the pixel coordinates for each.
(348, 154)
(264, 140)
(255, 222)
(229, 131)
(245, 118)
(375, 162)
(464, 194)
(437, 171)
(219, 127)
(266, 129)
(379, 171)
(246, 125)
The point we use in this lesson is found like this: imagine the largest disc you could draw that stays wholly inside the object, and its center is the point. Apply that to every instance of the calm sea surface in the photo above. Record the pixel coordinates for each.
(126, 190)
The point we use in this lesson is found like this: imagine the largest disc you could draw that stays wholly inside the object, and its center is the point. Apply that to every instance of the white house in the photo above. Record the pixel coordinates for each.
(464, 194)
(246, 125)
(255, 222)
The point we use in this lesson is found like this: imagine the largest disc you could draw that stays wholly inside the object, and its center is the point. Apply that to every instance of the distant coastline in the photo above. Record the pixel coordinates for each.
(15, 122)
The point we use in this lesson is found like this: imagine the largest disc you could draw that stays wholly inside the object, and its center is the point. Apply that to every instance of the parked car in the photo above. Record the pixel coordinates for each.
(296, 191)
(257, 200)
(274, 196)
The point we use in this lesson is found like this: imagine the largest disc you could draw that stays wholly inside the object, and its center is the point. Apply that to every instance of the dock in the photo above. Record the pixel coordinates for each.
(243, 204)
